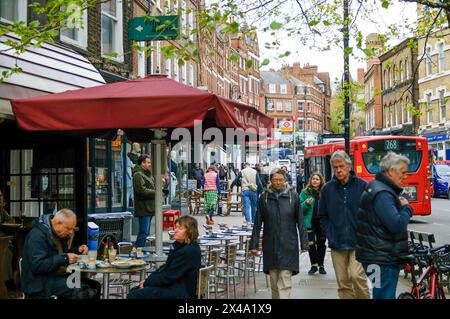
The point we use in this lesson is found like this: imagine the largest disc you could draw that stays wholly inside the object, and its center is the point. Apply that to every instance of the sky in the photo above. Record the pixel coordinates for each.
(332, 61)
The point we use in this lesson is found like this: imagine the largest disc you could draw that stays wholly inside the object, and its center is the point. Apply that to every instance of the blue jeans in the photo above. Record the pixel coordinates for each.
(250, 198)
(144, 230)
(386, 286)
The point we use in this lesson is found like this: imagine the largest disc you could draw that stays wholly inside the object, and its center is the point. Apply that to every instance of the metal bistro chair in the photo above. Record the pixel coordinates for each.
(228, 267)
(203, 282)
(247, 264)
(214, 259)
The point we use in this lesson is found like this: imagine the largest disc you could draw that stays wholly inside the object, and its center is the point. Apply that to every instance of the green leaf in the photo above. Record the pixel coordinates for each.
(385, 4)
(275, 25)
(265, 62)
(234, 57)
(249, 64)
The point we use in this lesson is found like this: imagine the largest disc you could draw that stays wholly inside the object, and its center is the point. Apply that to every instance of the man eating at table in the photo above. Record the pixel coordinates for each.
(47, 253)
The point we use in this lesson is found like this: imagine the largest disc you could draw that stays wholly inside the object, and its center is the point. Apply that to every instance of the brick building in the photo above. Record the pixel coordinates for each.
(298, 93)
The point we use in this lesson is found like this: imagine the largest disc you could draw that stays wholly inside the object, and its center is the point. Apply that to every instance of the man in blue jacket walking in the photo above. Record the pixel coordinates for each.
(338, 209)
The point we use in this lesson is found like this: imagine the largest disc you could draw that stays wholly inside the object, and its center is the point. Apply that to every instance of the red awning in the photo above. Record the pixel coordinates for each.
(152, 102)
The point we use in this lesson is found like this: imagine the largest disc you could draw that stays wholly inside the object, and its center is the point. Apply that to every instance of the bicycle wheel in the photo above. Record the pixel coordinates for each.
(406, 295)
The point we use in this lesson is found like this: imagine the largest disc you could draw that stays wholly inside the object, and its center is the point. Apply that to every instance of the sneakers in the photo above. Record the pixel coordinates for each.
(313, 270)
(322, 270)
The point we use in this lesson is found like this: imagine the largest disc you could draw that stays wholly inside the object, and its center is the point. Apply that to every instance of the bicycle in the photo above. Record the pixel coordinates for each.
(428, 285)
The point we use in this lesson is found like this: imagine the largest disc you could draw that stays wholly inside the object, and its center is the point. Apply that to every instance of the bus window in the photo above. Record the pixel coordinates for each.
(378, 149)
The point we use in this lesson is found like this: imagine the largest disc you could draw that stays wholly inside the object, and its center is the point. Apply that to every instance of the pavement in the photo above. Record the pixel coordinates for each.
(304, 286)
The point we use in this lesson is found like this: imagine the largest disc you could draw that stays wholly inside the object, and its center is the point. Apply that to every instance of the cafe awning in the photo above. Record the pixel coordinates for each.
(152, 102)
(50, 68)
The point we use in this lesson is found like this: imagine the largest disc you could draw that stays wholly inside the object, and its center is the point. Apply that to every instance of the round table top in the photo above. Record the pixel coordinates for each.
(109, 270)
(155, 258)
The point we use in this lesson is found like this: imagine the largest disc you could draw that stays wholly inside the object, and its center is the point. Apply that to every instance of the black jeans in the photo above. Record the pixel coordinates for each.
(316, 240)
(90, 289)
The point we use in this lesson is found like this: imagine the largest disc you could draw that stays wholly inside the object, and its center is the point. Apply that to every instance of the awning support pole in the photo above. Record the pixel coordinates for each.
(157, 161)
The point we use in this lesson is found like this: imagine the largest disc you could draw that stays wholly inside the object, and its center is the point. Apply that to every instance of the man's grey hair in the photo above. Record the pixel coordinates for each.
(394, 161)
(341, 156)
(65, 214)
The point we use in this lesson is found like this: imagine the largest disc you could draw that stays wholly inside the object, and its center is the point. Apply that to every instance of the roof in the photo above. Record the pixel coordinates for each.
(318, 81)
(273, 77)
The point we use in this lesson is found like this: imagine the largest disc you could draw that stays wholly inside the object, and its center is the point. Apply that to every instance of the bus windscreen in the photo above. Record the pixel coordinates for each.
(378, 149)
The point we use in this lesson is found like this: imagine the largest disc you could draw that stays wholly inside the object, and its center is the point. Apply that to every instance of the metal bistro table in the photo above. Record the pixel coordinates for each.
(106, 272)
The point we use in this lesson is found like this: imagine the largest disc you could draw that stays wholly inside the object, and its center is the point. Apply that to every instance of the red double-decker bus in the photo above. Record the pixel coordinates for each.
(366, 153)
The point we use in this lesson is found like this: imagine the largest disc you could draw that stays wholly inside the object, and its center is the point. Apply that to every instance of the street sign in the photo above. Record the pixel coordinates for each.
(286, 126)
(154, 28)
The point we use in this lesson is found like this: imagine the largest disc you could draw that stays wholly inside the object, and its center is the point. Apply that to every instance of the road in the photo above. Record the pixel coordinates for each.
(437, 223)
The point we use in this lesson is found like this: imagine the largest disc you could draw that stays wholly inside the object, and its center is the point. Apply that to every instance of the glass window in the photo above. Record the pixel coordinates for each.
(279, 106)
(101, 174)
(300, 106)
(111, 25)
(141, 60)
(401, 72)
(270, 105)
(191, 75)
(288, 106)
(441, 55)
(176, 71)
(442, 105)
(117, 175)
(12, 10)
(169, 68)
(76, 31)
(378, 149)
(429, 110)
(283, 88)
(300, 124)
(429, 64)
(272, 88)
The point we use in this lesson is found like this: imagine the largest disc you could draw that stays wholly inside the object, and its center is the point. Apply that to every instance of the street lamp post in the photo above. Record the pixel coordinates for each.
(149, 56)
(304, 119)
(345, 31)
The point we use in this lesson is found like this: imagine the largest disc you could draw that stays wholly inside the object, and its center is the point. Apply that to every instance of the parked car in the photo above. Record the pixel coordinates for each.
(441, 179)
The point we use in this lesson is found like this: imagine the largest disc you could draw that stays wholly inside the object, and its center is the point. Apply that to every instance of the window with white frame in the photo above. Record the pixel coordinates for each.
(386, 116)
(175, 6)
(141, 60)
(272, 88)
(176, 71)
(112, 25)
(394, 74)
(158, 57)
(184, 74)
(279, 106)
(404, 118)
(283, 88)
(158, 5)
(429, 109)
(288, 106)
(373, 117)
(168, 65)
(269, 105)
(183, 16)
(442, 106)
(402, 78)
(395, 114)
(429, 64)
(300, 124)
(301, 106)
(391, 115)
(386, 80)
(408, 110)
(191, 75)
(76, 31)
(390, 77)
(406, 69)
(441, 56)
(250, 85)
(12, 10)
(191, 25)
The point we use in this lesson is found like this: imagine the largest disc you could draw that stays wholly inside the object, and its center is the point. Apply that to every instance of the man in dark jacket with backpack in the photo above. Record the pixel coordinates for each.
(382, 236)
(47, 253)
(338, 209)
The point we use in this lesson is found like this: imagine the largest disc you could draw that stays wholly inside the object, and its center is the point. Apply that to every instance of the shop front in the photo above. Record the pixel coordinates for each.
(441, 145)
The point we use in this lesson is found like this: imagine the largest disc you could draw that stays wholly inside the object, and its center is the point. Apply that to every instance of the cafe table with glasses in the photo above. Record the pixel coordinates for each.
(120, 266)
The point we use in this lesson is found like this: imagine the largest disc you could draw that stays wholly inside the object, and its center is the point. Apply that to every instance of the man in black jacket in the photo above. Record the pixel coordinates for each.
(280, 212)
(198, 174)
(338, 209)
(47, 253)
(383, 218)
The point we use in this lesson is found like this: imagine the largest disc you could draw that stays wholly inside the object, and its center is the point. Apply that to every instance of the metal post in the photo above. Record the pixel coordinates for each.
(149, 56)
(346, 79)
(304, 121)
(156, 163)
(293, 134)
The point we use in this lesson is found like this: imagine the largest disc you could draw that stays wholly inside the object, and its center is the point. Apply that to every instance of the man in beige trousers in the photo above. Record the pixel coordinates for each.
(338, 209)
